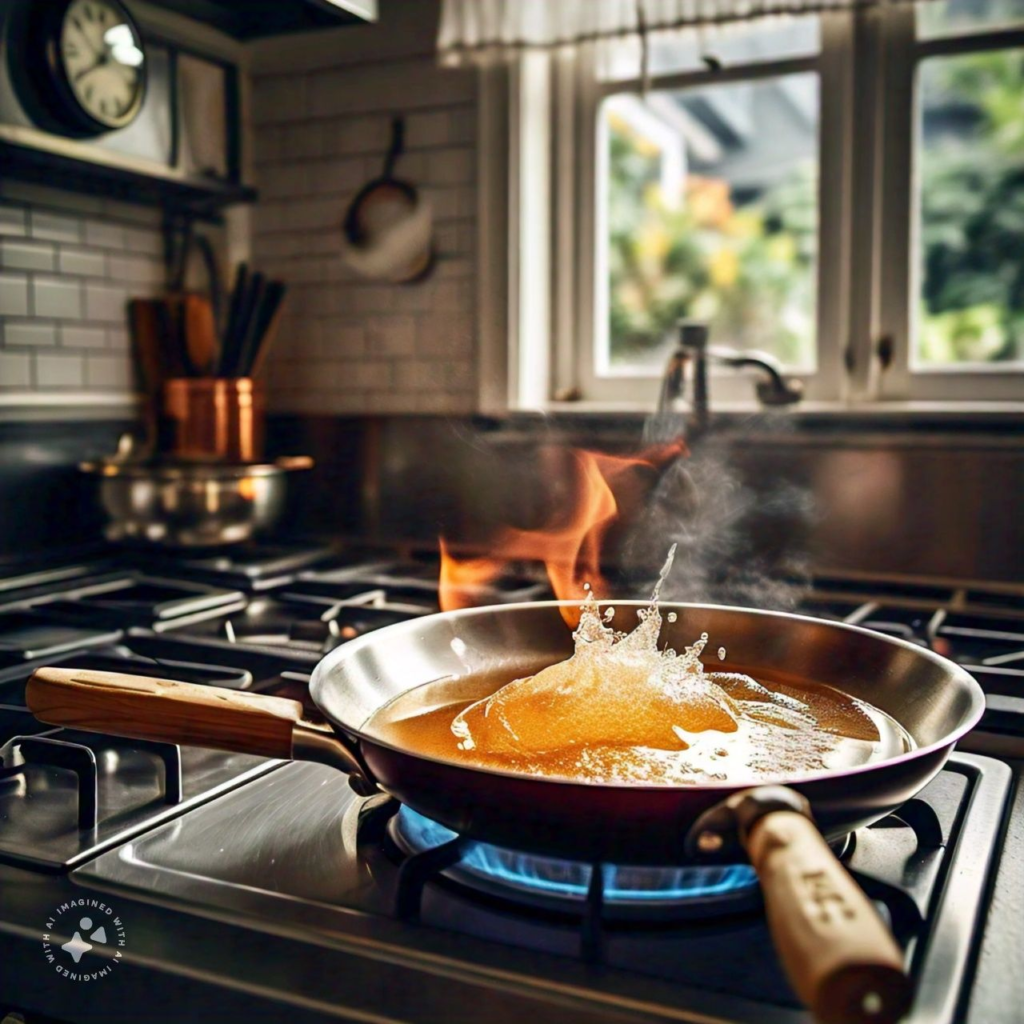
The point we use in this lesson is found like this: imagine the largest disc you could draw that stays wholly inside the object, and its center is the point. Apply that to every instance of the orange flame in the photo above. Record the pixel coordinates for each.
(570, 549)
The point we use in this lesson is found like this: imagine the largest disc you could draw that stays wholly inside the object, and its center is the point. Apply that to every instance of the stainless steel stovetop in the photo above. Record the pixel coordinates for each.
(262, 890)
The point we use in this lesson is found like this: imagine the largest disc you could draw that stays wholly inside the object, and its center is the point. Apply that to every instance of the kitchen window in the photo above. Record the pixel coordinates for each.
(844, 191)
(951, 290)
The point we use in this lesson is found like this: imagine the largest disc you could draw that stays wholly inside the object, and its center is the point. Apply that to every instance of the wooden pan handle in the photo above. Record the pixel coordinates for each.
(839, 956)
(161, 709)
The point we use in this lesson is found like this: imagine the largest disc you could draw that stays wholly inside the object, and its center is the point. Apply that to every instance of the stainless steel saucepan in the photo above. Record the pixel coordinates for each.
(191, 504)
(839, 956)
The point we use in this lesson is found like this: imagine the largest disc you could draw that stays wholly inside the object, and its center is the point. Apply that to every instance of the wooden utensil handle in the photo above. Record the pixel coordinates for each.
(839, 956)
(162, 709)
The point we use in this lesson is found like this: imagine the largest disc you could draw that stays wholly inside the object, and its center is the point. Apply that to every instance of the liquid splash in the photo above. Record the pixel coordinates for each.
(621, 709)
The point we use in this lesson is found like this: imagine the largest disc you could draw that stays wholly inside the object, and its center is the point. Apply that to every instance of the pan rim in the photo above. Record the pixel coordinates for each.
(318, 683)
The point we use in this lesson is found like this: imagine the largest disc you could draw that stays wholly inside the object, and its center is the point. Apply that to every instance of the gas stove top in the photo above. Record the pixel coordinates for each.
(256, 889)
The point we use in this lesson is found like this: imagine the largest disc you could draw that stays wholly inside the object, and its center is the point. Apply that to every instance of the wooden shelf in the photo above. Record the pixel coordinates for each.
(200, 198)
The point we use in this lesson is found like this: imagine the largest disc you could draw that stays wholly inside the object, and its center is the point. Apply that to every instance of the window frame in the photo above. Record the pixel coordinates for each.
(898, 263)
(537, 289)
(578, 343)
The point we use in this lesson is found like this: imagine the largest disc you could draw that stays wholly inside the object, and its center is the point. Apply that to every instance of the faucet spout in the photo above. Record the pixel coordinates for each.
(693, 351)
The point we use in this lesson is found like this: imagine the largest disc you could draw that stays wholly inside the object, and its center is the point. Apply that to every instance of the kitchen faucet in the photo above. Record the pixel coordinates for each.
(772, 390)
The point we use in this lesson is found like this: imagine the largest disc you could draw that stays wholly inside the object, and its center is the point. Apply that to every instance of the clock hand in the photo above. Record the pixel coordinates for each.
(91, 68)
(85, 38)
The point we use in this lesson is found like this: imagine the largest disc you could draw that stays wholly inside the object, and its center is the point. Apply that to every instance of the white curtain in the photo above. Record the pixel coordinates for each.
(483, 30)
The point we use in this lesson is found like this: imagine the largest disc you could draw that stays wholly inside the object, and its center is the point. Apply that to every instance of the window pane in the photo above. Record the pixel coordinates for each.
(955, 17)
(711, 213)
(971, 203)
(730, 45)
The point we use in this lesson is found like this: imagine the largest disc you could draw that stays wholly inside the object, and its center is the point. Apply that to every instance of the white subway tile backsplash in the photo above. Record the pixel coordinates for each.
(353, 135)
(75, 336)
(278, 98)
(144, 240)
(451, 335)
(462, 124)
(283, 180)
(391, 335)
(363, 88)
(340, 339)
(451, 202)
(105, 234)
(301, 141)
(453, 295)
(62, 308)
(450, 167)
(448, 402)
(298, 270)
(337, 175)
(13, 295)
(13, 220)
(453, 266)
(104, 302)
(322, 374)
(108, 371)
(366, 375)
(135, 270)
(393, 401)
(24, 255)
(15, 370)
(118, 338)
(29, 332)
(431, 128)
(433, 375)
(57, 297)
(355, 345)
(55, 227)
(266, 144)
(82, 261)
(59, 371)
(456, 239)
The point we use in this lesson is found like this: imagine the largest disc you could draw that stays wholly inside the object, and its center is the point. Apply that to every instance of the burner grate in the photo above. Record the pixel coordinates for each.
(600, 896)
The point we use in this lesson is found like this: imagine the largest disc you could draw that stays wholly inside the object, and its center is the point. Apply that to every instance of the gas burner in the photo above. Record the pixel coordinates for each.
(549, 883)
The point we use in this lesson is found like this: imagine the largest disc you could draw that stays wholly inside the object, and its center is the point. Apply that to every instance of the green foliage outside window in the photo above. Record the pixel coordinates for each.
(972, 209)
(746, 268)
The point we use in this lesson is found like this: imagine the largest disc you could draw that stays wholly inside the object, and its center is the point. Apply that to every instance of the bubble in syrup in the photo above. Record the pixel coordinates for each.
(721, 654)
(672, 616)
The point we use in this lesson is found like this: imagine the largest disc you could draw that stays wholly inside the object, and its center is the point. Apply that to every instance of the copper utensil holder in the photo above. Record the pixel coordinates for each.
(207, 419)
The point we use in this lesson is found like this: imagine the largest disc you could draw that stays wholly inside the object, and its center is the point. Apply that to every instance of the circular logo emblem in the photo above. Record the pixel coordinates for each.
(97, 940)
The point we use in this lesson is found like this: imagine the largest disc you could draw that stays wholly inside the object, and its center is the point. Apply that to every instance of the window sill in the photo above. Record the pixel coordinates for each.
(999, 423)
(946, 412)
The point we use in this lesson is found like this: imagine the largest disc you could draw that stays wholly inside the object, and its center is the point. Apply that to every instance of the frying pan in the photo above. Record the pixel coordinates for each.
(839, 956)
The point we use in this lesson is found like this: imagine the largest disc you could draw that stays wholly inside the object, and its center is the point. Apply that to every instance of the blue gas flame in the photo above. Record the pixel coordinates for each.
(571, 878)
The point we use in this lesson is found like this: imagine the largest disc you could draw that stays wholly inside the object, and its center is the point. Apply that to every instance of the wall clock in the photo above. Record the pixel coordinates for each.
(87, 62)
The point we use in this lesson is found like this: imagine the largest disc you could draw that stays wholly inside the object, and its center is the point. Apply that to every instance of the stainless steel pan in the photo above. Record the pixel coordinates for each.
(837, 952)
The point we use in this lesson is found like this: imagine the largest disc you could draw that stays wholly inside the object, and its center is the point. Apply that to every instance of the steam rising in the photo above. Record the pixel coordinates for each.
(735, 545)
(608, 520)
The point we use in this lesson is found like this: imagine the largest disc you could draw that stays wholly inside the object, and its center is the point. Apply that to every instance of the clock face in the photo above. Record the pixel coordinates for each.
(100, 53)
